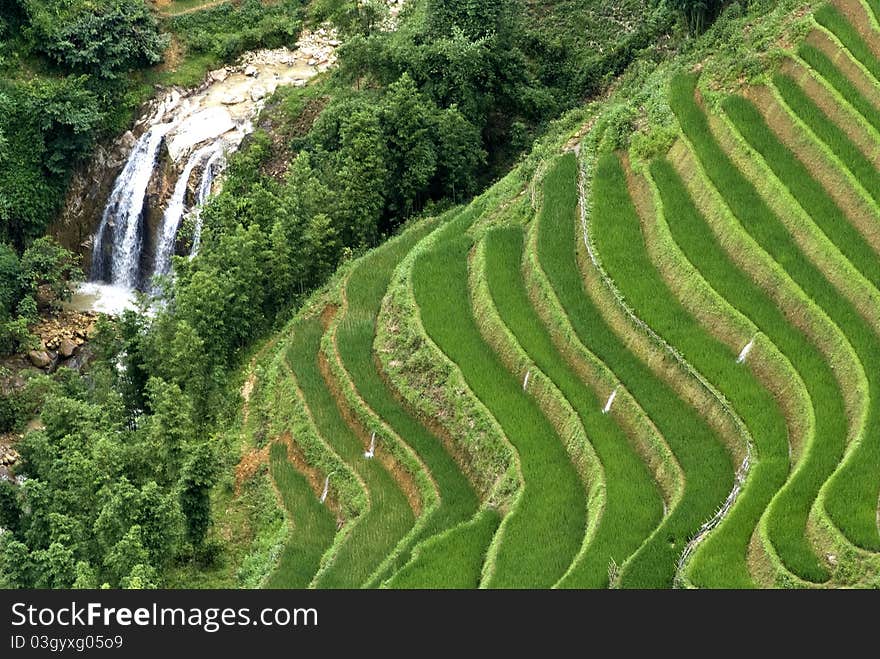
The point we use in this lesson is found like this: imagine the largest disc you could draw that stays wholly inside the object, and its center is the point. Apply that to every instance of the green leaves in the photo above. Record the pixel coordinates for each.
(106, 40)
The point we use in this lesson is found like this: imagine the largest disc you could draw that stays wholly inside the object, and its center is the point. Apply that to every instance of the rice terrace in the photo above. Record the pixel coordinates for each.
(642, 351)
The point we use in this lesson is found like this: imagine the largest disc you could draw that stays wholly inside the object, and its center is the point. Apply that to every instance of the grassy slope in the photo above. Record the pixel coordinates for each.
(706, 465)
(702, 249)
(552, 506)
(389, 516)
(365, 288)
(313, 525)
(633, 506)
(851, 501)
(760, 222)
(619, 240)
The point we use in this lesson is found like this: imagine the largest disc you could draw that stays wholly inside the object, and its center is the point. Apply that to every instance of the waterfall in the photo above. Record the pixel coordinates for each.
(188, 134)
(175, 210)
(212, 169)
(122, 214)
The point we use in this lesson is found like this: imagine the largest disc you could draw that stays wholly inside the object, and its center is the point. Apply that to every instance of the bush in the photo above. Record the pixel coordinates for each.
(106, 40)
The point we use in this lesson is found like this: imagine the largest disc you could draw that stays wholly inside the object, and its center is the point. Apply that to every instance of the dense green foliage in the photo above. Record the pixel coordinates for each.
(39, 281)
(63, 79)
(111, 495)
(229, 29)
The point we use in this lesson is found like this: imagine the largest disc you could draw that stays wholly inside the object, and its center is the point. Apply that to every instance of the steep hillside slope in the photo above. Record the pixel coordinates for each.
(648, 357)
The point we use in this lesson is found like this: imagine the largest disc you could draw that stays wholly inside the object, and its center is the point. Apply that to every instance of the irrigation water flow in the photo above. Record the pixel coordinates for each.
(610, 400)
(526, 380)
(372, 452)
(326, 488)
(745, 352)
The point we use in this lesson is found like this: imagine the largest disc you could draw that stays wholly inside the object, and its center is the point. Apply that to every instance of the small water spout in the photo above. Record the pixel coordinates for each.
(369, 454)
(745, 352)
(610, 400)
(326, 488)
(526, 380)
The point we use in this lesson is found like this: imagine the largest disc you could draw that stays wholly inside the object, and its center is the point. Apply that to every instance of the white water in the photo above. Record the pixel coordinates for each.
(610, 400)
(122, 214)
(104, 298)
(369, 454)
(176, 209)
(745, 352)
(213, 168)
(326, 488)
(526, 380)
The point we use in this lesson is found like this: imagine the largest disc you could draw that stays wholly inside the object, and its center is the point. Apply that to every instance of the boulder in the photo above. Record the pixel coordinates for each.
(67, 348)
(251, 71)
(219, 75)
(258, 92)
(40, 358)
(231, 99)
(204, 125)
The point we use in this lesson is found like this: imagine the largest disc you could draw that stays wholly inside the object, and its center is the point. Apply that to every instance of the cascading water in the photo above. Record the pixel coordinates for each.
(176, 209)
(187, 136)
(123, 213)
(212, 170)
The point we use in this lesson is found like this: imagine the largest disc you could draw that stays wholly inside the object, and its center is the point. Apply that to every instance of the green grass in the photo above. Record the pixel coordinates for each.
(389, 516)
(767, 230)
(852, 498)
(544, 532)
(788, 511)
(453, 559)
(849, 154)
(313, 524)
(618, 237)
(831, 19)
(705, 462)
(365, 289)
(823, 65)
(633, 506)
(180, 6)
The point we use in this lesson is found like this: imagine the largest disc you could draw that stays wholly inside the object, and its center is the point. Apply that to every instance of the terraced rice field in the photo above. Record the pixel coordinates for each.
(639, 375)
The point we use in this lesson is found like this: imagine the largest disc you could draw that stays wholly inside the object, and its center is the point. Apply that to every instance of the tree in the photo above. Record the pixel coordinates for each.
(16, 567)
(46, 266)
(106, 40)
(407, 120)
(54, 566)
(10, 510)
(459, 154)
(363, 176)
(127, 554)
(10, 272)
(198, 477)
(696, 13)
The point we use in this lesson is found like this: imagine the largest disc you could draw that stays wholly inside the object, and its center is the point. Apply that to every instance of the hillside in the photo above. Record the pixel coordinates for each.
(645, 358)
(440, 294)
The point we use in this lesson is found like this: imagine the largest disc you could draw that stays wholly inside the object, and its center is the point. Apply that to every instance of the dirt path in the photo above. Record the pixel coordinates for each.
(162, 7)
